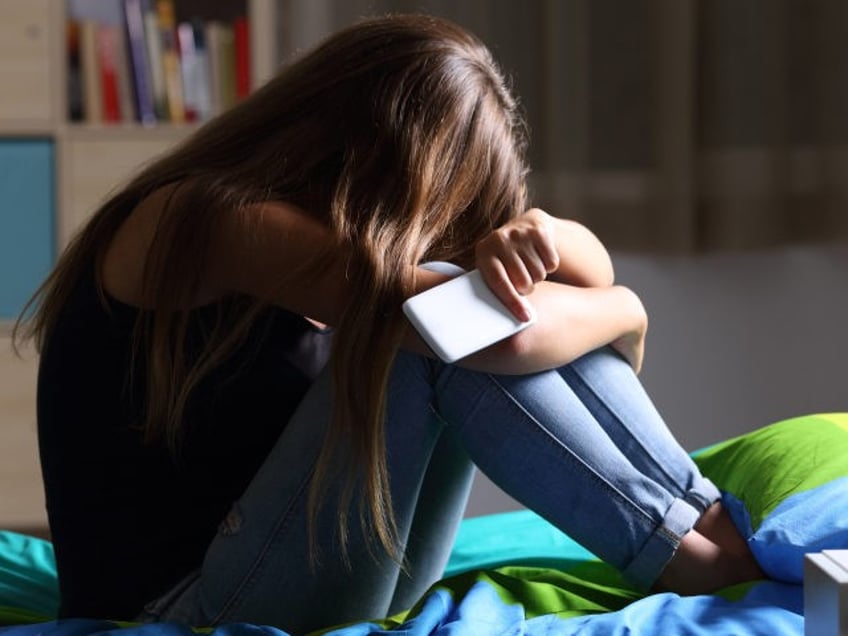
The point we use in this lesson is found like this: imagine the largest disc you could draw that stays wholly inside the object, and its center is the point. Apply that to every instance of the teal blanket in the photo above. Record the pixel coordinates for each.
(513, 573)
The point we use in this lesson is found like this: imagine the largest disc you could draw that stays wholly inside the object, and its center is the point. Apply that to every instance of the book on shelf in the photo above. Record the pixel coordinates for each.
(139, 66)
(92, 90)
(241, 43)
(222, 71)
(123, 75)
(194, 60)
(153, 41)
(189, 70)
(156, 65)
(167, 24)
(107, 51)
(74, 70)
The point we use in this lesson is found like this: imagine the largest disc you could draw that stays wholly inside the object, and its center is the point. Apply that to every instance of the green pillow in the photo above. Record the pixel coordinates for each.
(786, 487)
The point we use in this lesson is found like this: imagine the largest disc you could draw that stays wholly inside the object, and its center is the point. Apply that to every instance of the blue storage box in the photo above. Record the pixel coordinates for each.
(26, 220)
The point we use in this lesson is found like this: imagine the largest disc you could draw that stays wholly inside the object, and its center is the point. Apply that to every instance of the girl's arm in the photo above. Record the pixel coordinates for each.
(536, 246)
(263, 252)
(271, 254)
(583, 259)
(565, 272)
(572, 321)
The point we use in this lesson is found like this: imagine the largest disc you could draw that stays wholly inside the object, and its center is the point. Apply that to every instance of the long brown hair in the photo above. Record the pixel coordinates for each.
(400, 134)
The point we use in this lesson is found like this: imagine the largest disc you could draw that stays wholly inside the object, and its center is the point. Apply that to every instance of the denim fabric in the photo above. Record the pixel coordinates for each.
(582, 446)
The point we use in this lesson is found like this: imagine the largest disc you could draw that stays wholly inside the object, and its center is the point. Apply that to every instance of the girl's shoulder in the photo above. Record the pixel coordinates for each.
(273, 251)
(124, 259)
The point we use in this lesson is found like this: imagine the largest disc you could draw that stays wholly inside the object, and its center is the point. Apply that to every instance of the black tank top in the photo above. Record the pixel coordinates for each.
(130, 519)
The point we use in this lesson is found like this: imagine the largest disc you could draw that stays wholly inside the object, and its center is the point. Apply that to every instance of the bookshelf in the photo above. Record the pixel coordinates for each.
(54, 169)
(94, 156)
(90, 156)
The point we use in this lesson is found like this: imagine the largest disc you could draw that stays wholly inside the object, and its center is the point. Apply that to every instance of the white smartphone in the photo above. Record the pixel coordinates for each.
(461, 316)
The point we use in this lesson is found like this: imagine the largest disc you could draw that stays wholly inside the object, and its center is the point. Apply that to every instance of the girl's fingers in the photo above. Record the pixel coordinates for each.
(516, 256)
(547, 253)
(525, 273)
(543, 239)
(496, 277)
(521, 273)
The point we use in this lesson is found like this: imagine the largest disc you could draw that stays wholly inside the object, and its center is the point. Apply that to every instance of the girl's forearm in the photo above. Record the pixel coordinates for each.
(571, 322)
(583, 259)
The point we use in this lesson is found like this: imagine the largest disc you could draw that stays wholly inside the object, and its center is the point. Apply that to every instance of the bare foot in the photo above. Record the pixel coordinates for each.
(717, 526)
(701, 566)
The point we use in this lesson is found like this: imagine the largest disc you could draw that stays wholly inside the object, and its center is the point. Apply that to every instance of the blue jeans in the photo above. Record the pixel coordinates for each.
(582, 446)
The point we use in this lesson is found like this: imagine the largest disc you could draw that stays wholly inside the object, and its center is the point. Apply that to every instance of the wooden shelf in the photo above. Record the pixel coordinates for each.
(26, 128)
(123, 132)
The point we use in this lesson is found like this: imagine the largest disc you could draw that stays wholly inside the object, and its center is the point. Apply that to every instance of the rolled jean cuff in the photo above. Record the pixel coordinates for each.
(657, 551)
(704, 495)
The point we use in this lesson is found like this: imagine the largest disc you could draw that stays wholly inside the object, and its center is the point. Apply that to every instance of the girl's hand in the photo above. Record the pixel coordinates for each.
(516, 256)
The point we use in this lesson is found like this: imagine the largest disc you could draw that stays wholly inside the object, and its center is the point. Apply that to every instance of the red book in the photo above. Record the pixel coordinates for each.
(107, 37)
(241, 36)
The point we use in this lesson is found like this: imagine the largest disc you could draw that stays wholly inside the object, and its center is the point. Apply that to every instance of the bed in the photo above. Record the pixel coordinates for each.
(786, 486)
